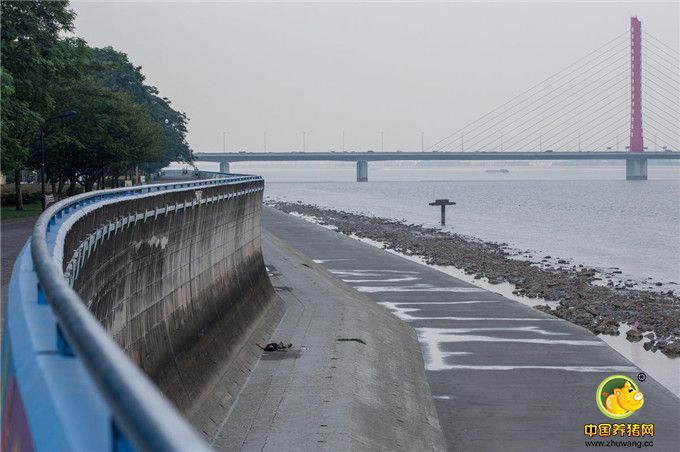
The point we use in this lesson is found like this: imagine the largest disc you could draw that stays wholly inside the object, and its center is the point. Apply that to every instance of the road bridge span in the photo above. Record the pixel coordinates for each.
(636, 162)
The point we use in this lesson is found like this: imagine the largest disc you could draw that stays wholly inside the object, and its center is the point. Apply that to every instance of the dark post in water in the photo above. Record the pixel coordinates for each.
(443, 203)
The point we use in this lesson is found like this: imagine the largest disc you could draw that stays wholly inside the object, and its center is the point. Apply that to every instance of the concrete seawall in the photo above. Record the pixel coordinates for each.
(173, 274)
(179, 292)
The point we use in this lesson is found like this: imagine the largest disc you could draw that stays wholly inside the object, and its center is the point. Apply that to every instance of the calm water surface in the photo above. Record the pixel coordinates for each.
(588, 215)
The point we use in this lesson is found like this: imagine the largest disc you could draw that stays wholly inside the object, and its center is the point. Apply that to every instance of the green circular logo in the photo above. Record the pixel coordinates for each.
(618, 397)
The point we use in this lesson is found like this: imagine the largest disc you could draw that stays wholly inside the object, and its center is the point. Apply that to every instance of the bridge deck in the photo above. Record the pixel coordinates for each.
(409, 155)
(503, 376)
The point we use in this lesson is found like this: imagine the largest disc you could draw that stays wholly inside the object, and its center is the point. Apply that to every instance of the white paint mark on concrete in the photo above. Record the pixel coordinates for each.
(432, 339)
(405, 315)
(360, 272)
(399, 303)
(442, 397)
(388, 280)
(323, 261)
(416, 288)
(608, 369)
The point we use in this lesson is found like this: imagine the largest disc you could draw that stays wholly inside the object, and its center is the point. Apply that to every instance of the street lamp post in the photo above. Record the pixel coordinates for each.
(66, 114)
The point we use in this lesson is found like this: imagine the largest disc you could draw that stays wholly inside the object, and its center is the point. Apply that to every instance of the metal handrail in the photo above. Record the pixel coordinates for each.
(140, 410)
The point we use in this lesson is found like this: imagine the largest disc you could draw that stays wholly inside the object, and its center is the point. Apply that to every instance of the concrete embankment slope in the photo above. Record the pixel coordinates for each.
(353, 381)
(503, 376)
(182, 292)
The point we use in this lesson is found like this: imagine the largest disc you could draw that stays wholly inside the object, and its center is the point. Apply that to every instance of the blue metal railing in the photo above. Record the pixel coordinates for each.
(139, 411)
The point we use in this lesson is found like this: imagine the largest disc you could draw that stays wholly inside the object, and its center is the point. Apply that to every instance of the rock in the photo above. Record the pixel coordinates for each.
(592, 310)
(633, 335)
(650, 335)
(672, 349)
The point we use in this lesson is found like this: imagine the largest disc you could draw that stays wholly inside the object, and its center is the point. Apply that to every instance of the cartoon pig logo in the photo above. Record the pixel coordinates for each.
(618, 397)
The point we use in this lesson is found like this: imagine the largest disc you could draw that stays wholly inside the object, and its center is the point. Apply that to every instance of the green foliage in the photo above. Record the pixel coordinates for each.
(121, 123)
(110, 134)
(120, 75)
(30, 60)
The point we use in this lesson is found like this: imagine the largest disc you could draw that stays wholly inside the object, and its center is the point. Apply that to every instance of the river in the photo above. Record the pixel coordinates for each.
(587, 214)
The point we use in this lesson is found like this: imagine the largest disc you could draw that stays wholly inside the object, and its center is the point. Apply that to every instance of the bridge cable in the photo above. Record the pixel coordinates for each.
(561, 96)
(588, 99)
(555, 139)
(667, 135)
(673, 50)
(673, 114)
(578, 117)
(669, 141)
(663, 98)
(619, 120)
(512, 113)
(517, 97)
(672, 127)
(654, 73)
(583, 128)
(564, 90)
(607, 140)
(671, 66)
(576, 120)
(552, 107)
(452, 134)
(586, 131)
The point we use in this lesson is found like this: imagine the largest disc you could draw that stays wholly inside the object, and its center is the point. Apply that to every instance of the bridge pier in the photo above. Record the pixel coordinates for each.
(636, 168)
(224, 167)
(362, 171)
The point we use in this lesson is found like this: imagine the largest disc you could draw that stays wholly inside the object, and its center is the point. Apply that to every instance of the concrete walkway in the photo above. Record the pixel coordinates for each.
(354, 379)
(503, 376)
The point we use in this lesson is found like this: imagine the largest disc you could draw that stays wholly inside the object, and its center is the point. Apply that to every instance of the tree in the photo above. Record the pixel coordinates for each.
(121, 123)
(120, 75)
(30, 59)
(111, 134)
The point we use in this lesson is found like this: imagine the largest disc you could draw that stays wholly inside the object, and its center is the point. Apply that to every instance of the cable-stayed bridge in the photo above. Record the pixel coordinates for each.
(619, 102)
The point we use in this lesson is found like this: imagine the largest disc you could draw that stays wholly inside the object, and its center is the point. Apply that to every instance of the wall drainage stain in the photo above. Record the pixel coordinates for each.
(353, 339)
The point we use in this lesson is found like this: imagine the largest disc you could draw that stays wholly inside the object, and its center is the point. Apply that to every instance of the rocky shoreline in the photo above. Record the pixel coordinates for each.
(653, 316)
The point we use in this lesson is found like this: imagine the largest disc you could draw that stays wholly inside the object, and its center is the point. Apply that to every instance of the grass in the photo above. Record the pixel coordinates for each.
(9, 212)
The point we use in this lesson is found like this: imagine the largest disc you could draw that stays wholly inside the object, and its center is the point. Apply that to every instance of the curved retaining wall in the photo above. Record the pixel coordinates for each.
(173, 273)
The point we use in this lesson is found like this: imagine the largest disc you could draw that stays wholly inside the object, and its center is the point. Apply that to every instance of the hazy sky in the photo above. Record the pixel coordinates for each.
(400, 68)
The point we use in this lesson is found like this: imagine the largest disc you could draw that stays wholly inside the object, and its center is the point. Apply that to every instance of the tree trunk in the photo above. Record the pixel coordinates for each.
(19, 203)
(53, 187)
(88, 183)
(60, 188)
(72, 185)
